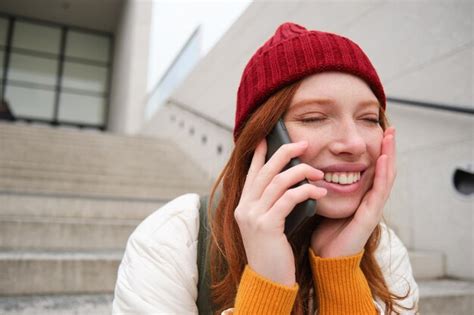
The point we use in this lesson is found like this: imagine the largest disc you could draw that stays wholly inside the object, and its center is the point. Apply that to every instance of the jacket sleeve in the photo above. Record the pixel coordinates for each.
(158, 273)
(393, 259)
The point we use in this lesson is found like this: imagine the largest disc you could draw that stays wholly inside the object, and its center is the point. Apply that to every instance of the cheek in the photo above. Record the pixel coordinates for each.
(317, 140)
(374, 141)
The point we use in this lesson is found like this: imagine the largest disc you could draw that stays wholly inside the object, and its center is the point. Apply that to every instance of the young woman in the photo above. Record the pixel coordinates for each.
(347, 261)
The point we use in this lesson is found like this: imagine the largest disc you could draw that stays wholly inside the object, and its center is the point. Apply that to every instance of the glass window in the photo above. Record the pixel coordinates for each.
(87, 46)
(84, 77)
(3, 32)
(81, 108)
(34, 103)
(36, 37)
(32, 69)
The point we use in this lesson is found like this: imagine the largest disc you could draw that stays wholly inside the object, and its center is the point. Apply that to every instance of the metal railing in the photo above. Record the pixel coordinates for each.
(429, 105)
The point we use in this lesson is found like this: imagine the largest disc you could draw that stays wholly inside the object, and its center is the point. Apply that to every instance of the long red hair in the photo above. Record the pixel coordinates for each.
(227, 253)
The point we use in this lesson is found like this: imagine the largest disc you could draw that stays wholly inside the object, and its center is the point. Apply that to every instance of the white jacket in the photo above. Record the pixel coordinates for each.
(159, 275)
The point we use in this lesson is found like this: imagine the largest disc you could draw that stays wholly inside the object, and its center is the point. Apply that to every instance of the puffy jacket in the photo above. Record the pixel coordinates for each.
(159, 275)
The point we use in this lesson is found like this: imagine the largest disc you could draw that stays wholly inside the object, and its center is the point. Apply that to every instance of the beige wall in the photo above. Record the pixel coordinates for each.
(128, 86)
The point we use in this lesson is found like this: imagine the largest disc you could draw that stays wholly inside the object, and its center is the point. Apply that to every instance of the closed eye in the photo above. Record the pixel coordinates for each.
(311, 120)
(374, 121)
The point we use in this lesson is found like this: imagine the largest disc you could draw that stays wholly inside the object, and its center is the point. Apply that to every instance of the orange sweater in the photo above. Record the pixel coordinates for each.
(341, 289)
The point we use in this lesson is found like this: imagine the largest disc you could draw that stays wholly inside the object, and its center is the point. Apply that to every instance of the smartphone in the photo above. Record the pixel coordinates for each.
(304, 211)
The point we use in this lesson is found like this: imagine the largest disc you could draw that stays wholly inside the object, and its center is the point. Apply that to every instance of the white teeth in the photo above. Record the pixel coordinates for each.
(343, 178)
(327, 177)
(350, 178)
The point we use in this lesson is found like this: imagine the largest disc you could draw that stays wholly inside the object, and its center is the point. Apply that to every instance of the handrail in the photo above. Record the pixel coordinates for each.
(449, 108)
(200, 115)
(82, 196)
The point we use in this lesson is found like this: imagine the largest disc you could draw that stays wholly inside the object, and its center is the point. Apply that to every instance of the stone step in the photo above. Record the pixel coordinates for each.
(57, 206)
(164, 177)
(81, 149)
(26, 132)
(46, 233)
(33, 272)
(427, 265)
(104, 189)
(106, 141)
(47, 152)
(446, 296)
(92, 155)
(95, 304)
(184, 169)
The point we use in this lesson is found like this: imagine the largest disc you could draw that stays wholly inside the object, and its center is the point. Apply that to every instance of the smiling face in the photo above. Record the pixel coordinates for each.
(338, 115)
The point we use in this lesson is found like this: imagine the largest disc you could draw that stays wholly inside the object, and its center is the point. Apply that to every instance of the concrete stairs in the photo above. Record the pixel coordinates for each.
(95, 304)
(69, 199)
(440, 294)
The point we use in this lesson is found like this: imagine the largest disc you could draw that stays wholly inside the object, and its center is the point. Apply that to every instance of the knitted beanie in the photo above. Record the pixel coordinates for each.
(293, 53)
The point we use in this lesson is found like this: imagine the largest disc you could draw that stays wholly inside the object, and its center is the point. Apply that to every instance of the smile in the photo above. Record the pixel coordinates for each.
(342, 178)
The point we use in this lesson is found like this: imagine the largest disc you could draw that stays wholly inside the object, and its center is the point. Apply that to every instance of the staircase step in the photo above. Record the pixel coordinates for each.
(167, 177)
(23, 233)
(96, 304)
(105, 142)
(78, 152)
(55, 222)
(66, 135)
(35, 272)
(427, 264)
(73, 206)
(150, 167)
(112, 190)
(446, 296)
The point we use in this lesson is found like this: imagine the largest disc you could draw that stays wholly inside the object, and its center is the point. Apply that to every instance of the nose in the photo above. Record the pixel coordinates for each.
(347, 140)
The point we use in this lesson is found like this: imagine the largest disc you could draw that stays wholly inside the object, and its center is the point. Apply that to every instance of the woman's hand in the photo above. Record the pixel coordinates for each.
(267, 198)
(348, 236)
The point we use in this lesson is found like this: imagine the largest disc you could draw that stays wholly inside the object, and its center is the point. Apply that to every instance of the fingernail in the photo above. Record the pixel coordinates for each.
(304, 143)
(317, 174)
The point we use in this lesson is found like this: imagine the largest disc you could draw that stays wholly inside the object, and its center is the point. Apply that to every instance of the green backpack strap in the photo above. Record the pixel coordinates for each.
(204, 298)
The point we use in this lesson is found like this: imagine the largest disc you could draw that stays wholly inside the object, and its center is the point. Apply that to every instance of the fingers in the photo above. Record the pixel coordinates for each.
(389, 149)
(285, 180)
(264, 173)
(370, 211)
(381, 180)
(293, 196)
(389, 130)
(258, 160)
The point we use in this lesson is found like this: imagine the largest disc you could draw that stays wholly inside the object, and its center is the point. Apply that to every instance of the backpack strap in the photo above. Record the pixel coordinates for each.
(204, 298)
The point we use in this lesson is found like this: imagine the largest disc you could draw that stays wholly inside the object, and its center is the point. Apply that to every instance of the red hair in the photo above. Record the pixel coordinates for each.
(227, 253)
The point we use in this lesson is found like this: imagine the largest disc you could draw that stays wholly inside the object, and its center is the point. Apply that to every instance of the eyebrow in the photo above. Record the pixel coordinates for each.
(327, 101)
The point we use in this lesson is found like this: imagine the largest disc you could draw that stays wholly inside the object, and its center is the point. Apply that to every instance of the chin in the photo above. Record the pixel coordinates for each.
(336, 209)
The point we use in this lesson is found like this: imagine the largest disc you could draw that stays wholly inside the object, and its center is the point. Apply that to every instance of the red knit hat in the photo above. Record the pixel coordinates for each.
(293, 53)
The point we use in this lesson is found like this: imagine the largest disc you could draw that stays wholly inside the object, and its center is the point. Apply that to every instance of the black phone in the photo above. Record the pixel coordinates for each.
(304, 211)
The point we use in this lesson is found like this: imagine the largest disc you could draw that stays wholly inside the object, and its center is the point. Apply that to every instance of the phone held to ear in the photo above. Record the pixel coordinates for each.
(304, 211)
